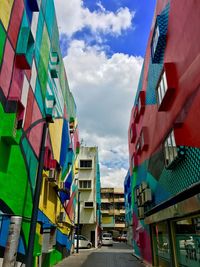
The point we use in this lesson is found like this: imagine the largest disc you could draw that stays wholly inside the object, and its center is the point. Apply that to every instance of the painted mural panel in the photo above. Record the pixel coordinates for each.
(33, 91)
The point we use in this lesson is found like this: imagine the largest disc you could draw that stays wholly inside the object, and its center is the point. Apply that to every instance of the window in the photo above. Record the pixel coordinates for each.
(85, 184)
(173, 153)
(161, 244)
(155, 40)
(158, 42)
(25, 46)
(136, 115)
(141, 102)
(133, 132)
(170, 149)
(54, 64)
(138, 146)
(86, 164)
(119, 219)
(144, 138)
(88, 204)
(162, 88)
(187, 238)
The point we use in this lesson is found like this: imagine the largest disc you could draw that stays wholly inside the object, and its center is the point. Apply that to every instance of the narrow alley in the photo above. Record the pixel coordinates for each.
(119, 255)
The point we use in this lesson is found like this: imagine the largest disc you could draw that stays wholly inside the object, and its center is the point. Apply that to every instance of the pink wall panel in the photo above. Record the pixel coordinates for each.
(7, 67)
(15, 21)
(16, 83)
(29, 110)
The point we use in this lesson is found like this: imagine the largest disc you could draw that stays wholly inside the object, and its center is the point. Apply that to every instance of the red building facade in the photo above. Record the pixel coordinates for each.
(164, 140)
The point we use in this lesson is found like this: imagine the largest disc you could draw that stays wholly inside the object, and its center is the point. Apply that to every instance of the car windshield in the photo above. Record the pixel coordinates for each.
(107, 235)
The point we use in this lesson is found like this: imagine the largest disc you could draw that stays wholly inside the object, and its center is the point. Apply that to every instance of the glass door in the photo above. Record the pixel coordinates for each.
(187, 234)
(161, 245)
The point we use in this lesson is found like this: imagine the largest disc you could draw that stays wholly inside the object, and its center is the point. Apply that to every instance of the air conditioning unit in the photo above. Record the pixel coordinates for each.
(140, 189)
(141, 212)
(52, 175)
(147, 195)
(144, 185)
(142, 196)
(62, 217)
(139, 201)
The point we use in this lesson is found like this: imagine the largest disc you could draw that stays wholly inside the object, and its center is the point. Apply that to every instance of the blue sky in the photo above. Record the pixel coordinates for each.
(103, 45)
(134, 40)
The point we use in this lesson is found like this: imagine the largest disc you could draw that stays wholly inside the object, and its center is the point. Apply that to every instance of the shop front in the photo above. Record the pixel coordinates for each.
(175, 234)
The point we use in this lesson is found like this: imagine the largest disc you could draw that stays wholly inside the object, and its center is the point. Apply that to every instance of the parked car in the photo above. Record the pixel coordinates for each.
(107, 239)
(187, 243)
(83, 242)
(122, 238)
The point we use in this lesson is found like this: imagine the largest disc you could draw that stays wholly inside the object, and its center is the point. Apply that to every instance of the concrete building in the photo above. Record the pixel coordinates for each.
(38, 137)
(113, 210)
(164, 140)
(89, 188)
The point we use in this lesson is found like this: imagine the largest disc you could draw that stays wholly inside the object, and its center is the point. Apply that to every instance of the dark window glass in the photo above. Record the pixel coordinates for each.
(85, 163)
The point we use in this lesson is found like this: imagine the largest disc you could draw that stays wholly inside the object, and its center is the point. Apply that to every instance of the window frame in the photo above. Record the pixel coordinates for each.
(85, 165)
(155, 40)
(162, 88)
(85, 182)
(88, 207)
(172, 156)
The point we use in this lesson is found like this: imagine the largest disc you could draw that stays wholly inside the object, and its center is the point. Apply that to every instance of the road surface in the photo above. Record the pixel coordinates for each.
(119, 255)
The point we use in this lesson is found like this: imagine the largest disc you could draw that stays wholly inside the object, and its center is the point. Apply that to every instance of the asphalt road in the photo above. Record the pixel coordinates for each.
(119, 255)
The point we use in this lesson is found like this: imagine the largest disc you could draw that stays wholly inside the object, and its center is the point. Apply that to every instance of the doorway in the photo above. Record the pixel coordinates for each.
(93, 238)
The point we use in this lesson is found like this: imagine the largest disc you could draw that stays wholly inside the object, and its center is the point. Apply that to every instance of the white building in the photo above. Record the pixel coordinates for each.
(89, 188)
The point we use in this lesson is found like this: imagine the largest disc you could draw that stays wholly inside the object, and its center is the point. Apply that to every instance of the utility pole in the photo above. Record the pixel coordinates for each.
(36, 198)
(78, 223)
(10, 254)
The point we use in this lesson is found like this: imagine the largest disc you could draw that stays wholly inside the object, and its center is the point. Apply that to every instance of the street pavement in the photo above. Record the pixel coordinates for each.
(119, 255)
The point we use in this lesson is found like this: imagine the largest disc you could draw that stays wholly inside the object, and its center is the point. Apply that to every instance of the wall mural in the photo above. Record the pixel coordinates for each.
(33, 89)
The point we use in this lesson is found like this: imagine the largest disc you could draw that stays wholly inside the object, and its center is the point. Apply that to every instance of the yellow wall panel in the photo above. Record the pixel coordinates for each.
(56, 137)
(5, 11)
(107, 220)
(38, 227)
(48, 200)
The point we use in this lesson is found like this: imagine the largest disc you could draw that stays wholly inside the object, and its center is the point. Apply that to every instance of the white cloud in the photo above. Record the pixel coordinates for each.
(112, 177)
(73, 17)
(104, 90)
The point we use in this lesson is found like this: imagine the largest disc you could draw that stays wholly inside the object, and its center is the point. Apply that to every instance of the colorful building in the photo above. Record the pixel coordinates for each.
(128, 208)
(34, 94)
(88, 179)
(164, 141)
(113, 210)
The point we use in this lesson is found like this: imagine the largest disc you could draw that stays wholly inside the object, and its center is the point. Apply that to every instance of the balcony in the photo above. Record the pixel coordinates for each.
(106, 200)
(116, 200)
(119, 225)
(111, 212)
(105, 211)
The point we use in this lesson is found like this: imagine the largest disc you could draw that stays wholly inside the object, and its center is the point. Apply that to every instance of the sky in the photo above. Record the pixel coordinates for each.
(103, 44)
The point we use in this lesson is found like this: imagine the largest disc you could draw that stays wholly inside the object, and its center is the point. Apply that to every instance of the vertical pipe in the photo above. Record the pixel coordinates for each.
(78, 224)
(10, 254)
(30, 258)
